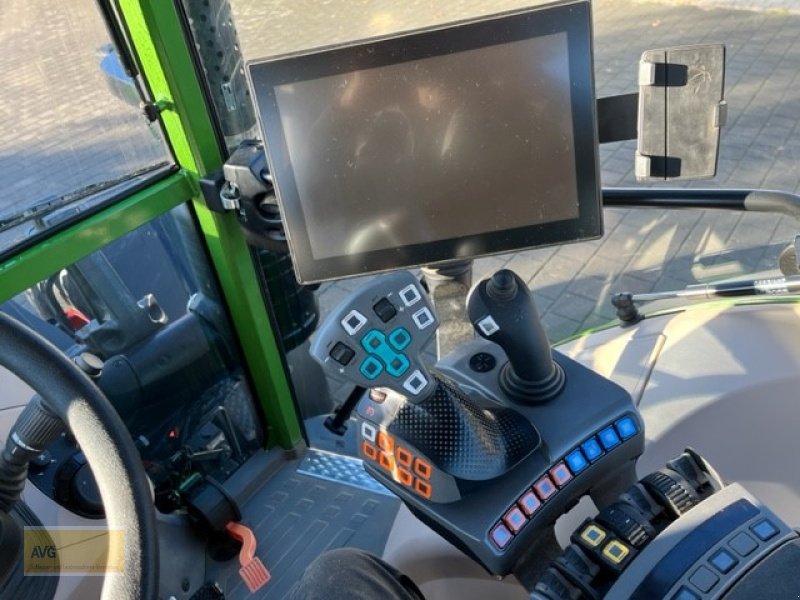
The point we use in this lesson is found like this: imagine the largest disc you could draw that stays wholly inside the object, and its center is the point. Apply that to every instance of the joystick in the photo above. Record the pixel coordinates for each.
(502, 310)
(456, 441)
(375, 340)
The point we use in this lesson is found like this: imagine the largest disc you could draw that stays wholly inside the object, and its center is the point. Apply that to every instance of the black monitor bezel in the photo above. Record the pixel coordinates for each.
(572, 18)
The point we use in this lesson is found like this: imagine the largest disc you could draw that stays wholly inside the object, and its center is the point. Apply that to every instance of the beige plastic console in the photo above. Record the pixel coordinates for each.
(723, 380)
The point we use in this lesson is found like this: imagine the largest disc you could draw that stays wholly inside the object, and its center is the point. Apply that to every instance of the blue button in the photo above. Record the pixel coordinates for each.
(685, 594)
(398, 365)
(723, 561)
(592, 449)
(545, 488)
(371, 367)
(400, 338)
(500, 536)
(626, 427)
(764, 530)
(515, 519)
(576, 461)
(609, 438)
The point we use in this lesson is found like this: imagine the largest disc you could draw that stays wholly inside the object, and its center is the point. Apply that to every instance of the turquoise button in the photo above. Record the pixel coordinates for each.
(374, 342)
(371, 367)
(400, 339)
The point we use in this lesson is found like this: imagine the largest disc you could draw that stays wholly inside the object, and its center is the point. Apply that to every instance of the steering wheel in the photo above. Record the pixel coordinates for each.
(108, 448)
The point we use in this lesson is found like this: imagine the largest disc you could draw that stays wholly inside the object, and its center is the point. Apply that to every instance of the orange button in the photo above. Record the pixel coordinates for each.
(385, 442)
(370, 451)
(422, 469)
(423, 488)
(404, 457)
(404, 477)
(386, 461)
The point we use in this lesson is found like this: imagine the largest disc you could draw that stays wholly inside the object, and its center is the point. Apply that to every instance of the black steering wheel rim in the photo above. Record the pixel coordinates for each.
(108, 448)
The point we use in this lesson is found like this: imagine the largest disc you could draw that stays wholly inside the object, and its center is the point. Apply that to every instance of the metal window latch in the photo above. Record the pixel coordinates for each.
(152, 110)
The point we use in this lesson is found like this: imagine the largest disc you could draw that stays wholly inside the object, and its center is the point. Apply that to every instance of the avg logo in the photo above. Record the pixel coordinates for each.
(73, 550)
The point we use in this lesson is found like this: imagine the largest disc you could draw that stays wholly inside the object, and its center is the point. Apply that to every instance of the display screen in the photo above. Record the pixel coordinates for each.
(439, 145)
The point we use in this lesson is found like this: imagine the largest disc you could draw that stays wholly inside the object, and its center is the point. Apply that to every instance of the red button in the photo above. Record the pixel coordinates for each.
(403, 456)
(423, 488)
(560, 474)
(529, 503)
(369, 451)
(501, 536)
(422, 468)
(544, 488)
(404, 477)
(515, 519)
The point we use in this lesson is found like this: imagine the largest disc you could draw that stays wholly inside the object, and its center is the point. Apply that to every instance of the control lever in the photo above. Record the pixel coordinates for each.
(502, 310)
(375, 339)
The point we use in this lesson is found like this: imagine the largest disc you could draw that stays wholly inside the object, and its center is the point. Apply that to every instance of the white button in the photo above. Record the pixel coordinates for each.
(410, 295)
(415, 383)
(368, 432)
(488, 325)
(422, 317)
(353, 322)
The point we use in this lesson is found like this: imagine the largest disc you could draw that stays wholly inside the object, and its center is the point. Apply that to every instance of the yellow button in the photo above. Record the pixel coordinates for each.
(616, 551)
(593, 535)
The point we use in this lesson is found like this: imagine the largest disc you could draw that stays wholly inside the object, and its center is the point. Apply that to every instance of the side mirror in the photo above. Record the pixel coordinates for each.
(681, 110)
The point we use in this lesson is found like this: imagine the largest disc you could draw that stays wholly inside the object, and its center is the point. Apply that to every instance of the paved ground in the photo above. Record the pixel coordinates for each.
(60, 128)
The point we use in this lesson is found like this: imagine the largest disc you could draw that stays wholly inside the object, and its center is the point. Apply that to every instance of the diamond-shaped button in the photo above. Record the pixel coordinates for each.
(353, 322)
(544, 488)
(515, 520)
(626, 427)
(529, 503)
(765, 530)
(743, 544)
(608, 438)
(723, 561)
(501, 536)
(400, 339)
(410, 295)
(576, 461)
(560, 474)
(591, 448)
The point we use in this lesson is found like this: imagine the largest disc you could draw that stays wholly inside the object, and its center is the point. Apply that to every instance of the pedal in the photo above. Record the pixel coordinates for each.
(252, 571)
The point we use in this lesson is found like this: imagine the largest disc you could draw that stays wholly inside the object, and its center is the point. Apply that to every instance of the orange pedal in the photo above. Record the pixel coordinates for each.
(422, 469)
(370, 451)
(386, 461)
(404, 477)
(404, 457)
(423, 488)
(385, 442)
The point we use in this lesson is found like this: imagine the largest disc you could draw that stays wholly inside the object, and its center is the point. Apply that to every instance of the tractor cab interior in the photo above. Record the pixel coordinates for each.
(172, 383)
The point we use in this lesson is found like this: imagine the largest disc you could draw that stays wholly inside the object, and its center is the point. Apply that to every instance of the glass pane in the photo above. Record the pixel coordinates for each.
(159, 345)
(272, 27)
(70, 122)
(641, 250)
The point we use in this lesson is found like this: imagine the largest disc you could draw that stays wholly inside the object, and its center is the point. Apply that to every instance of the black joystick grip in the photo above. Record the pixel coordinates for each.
(463, 439)
(502, 310)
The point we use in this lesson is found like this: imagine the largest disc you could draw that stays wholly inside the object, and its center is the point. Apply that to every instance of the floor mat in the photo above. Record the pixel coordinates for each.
(297, 516)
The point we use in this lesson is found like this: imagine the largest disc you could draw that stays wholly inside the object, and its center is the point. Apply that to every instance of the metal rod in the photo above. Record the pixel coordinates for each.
(774, 286)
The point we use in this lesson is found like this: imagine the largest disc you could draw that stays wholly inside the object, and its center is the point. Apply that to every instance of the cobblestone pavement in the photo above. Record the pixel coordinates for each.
(774, 6)
(60, 128)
